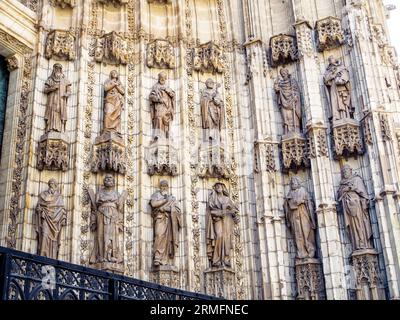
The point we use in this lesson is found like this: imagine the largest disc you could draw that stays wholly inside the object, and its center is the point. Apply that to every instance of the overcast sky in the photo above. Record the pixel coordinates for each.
(394, 24)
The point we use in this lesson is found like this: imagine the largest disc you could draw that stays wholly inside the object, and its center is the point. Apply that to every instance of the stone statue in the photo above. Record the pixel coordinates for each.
(222, 214)
(337, 82)
(300, 219)
(113, 103)
(212, 109)
(167, 223)
(354, 198)
(288, 92)
(162, 103)
(50, 218)
(107, 221)
(58, 89)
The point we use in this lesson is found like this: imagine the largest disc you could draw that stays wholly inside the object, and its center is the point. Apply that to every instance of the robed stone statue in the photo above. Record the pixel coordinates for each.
(354, 198)
(288, 93)
(167, 222)
(107, 222)
(212, 110)
(221, 216)
(113, 103)
(58, 89)
(162, 105)
(50, 218)
(337, 82)
(300, 219)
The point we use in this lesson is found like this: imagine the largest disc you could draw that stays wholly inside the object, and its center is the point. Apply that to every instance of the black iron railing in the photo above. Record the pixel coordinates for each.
(26, 276)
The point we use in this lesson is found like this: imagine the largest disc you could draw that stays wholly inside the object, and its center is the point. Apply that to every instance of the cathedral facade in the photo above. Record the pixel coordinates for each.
(247, 149)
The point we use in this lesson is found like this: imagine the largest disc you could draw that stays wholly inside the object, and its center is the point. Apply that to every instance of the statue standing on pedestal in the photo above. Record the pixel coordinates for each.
(337, 82)
(212, 110)
(58, 89)
(300, 220)
(354, 198)
(107, 222)
(221, 216)
(288, 93)
(167, 221)
(162, 104)
(50, 218)
(113, 103)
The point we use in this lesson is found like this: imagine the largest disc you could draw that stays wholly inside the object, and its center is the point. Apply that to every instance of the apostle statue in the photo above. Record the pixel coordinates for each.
(354, 198)
(167, 221)
(288, 93)
(212, 110)
(162, 104)
(300, 219)
(107, 221)
(222, 214)
(113, 103)
(337, 82)
(50, 218)
(58, 89)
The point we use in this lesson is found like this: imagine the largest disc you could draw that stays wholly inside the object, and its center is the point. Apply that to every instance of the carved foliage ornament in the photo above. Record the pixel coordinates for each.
(60, 44)
(112, 48)
(330, 33)
(63, 3)
(160, 54)
(283, 49)
(209, 57)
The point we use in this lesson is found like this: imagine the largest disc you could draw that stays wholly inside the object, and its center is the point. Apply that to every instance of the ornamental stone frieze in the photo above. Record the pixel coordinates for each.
(63, 3)
(160, 54)
(115, 3)
(329, 33)
(283, 49)
(209, 58)
(112, 48)
(60, 45)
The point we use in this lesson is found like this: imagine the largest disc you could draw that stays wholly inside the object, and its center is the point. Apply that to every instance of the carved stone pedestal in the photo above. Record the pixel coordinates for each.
(220, 282)
(294, 151)
(213, 163)
(309, 278)
(109, 267)
(347, 138)
(109, 153)
(53, 152)
(166, 276)
(162, 159)
(368, 282)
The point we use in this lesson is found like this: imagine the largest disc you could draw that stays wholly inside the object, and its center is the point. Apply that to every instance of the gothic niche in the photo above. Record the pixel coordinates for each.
(294, 143)
(221, 216)
(346, 130)
(160, 54)
(60, 45)
(112, 48)
(63, 3)
(283, 49)
(53, 150)
(209, 58)
(162, 156)
(109, 147)
(300, 220)
(329, 33)
(354, 200)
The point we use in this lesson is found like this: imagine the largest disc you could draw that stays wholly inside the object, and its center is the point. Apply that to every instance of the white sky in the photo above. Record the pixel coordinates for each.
(394, 24)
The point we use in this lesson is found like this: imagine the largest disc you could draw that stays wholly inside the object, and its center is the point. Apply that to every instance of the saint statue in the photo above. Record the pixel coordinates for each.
(221, 216)
(58, 89)
(337, 82)
(167, 222)
(107, 221)
(288, 93)
(113, 103)
(162, 104)
(50, 218)
(212, 110)
(300, 219)
(354, 198)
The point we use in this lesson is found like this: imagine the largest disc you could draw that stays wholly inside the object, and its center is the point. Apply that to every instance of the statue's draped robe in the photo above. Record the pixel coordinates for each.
(167, 222)
(113, 106)
(56, 107)
(301, 222)
(50, 217)
(355, 209)
(162, 108)
(212, 111)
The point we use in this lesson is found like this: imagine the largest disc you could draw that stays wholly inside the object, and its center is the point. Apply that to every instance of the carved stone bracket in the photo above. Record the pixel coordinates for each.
(60, 45)
(310, 280)
(209, 58)
(166, 276)
(116, 3)
(318, 144)
(294, 151)
(112, 48)
(283, 49)
(330, 33)
(109, 154)
(53, 152)
(220, 283)
(12, 63)
(304, 38)
(347, 138)
(160, 54)
(162, 159)
(213, 163)
(63, 3)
